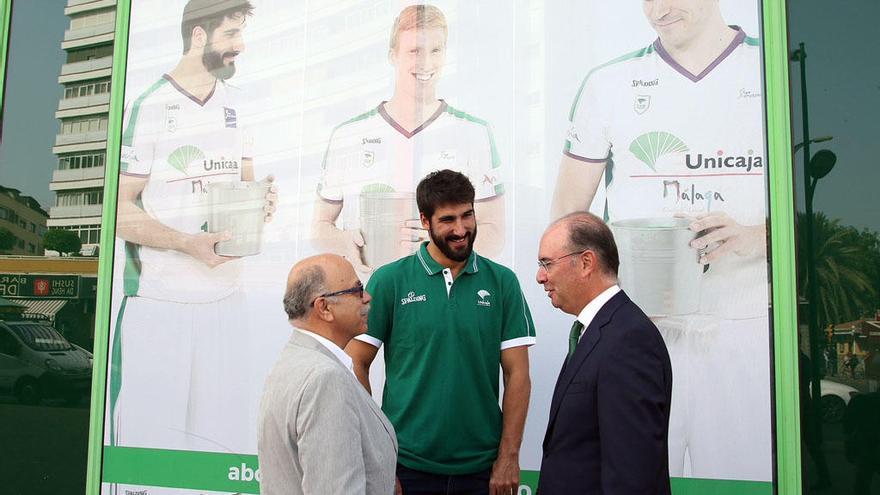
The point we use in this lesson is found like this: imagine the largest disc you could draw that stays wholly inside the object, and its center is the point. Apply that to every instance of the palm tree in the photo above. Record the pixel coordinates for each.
(847, 263)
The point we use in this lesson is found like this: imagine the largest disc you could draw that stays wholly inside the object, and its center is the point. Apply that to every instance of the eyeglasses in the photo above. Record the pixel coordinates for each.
(357, 289)
(547, 264)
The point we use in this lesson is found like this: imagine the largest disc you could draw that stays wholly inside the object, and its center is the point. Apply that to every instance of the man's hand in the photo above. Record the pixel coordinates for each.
(505, 475)
(723, 236)
(271, 198)
(412, 233)
(398, 489)
(201, 247)
(353, 250)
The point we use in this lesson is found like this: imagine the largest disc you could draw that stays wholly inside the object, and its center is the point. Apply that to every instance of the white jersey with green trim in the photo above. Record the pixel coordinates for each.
(180, 145)
(679, 143)
(372, 152)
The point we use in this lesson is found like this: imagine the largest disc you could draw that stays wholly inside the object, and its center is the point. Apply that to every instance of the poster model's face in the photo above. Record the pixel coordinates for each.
(678, 22)
(418, 60)
(224, 44)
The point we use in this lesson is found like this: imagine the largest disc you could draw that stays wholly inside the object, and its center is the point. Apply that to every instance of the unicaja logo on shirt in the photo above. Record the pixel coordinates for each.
(221, 164)
(182, 157)
(724, 160)
(650, 147)
(412, 297)
(483, 294)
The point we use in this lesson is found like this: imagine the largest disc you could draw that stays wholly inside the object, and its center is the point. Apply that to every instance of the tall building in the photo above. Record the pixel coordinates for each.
(83, 110)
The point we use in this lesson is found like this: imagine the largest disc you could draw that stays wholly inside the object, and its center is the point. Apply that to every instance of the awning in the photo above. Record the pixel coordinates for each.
(46, 308)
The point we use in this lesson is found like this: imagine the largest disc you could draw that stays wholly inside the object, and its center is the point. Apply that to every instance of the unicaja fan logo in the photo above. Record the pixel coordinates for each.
(650, 147)
(483, 294)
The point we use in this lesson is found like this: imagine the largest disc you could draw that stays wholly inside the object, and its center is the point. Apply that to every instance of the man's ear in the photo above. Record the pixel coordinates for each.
(587, 262)
(426, 222)
(323, 310)
(199, 37)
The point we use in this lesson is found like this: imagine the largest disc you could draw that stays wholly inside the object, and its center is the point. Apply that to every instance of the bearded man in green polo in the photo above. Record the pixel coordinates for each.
(449, 319)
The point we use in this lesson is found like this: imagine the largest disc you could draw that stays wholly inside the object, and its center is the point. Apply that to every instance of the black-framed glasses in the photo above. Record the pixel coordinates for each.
(547, 264)
(357, 289)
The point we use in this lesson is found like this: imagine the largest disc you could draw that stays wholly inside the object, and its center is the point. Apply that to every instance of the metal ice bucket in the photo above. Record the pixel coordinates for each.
(382, 214)
(238, 207)
(658, 268)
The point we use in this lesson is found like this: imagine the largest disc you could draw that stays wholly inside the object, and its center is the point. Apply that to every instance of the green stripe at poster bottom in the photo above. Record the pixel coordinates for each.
(239, 473)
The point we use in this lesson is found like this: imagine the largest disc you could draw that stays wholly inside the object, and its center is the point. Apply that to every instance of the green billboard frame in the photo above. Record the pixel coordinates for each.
(787, 474)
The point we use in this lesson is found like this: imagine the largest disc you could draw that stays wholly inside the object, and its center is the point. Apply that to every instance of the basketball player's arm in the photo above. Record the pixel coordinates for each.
(490, 225)
(136, 226)
(327, 237)
(362, 356)
(514, 406)
(576, 186)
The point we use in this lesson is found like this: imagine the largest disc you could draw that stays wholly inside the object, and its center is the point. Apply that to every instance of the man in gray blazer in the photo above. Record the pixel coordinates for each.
(320, 433)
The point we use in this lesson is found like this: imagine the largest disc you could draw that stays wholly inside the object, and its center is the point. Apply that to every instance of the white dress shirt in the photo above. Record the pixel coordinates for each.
(592, 308)
(344, 358)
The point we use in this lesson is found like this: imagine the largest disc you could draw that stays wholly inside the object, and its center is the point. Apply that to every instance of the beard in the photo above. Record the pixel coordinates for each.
(213, 62)
(455, 255)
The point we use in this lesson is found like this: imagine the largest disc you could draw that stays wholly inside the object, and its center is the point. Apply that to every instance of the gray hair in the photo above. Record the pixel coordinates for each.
(303, 290)
(588, 232)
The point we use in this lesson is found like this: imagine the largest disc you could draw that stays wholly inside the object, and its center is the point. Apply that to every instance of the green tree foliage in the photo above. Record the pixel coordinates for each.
(63, 241)
(7, 239)
(847, 269)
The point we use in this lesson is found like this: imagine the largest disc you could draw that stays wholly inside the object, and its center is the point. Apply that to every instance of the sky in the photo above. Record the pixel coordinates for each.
(31, 97)
(843, 87)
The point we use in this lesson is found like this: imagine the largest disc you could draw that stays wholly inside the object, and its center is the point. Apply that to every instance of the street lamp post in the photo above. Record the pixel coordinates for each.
(815, 167)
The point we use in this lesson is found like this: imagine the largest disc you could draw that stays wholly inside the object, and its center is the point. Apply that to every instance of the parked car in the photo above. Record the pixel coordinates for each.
(37, 362)
(835, 398)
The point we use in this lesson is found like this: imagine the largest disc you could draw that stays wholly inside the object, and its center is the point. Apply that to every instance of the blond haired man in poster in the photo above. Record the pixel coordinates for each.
(177, 371)
(676, 129)
(392, 146)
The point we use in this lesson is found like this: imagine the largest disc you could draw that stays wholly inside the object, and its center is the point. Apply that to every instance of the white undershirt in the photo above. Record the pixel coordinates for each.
(344, 358)
(592, 308)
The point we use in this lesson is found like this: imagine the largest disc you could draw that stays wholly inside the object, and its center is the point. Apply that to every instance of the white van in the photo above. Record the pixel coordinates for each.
(36, 362)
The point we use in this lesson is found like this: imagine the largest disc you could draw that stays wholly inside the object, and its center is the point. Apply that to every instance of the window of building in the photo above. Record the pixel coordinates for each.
(81, 160)
(95, 18)
(86, 89)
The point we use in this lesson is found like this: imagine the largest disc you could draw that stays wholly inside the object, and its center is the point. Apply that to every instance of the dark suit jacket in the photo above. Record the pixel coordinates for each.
(609, 418)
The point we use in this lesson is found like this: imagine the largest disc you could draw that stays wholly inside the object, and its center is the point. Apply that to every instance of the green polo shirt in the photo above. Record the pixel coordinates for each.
(443, 340)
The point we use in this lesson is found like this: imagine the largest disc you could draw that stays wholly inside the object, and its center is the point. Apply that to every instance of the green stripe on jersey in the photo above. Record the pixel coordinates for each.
(623, 58)
(128, 134)
(496, 158)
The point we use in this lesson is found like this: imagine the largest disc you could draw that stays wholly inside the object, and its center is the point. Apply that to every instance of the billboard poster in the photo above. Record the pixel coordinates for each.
(258, 133)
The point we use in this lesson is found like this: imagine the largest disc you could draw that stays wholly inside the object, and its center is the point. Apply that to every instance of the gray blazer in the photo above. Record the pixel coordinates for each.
(320, 433)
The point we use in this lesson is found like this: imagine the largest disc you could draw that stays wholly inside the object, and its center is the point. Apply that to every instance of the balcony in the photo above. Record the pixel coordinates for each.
(83, 137)
(87, 69)
(92, 35)
(75, 211)
(78, 6)
(70, 143)
(78, 178)
(83, 105)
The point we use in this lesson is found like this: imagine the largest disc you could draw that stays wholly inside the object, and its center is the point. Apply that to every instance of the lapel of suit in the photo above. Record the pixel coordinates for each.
(588, 342)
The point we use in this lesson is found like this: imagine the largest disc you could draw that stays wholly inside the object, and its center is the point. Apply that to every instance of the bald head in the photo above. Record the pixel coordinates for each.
(310, 278)
(586, 231)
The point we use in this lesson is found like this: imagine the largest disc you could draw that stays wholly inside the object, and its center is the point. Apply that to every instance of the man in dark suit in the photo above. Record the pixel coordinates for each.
(609, 416)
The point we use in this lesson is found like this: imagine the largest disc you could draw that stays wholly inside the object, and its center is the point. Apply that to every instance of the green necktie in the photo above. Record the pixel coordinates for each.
(573, 338)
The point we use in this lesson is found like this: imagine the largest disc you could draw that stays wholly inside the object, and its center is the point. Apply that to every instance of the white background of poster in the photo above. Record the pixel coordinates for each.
(310, 65)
